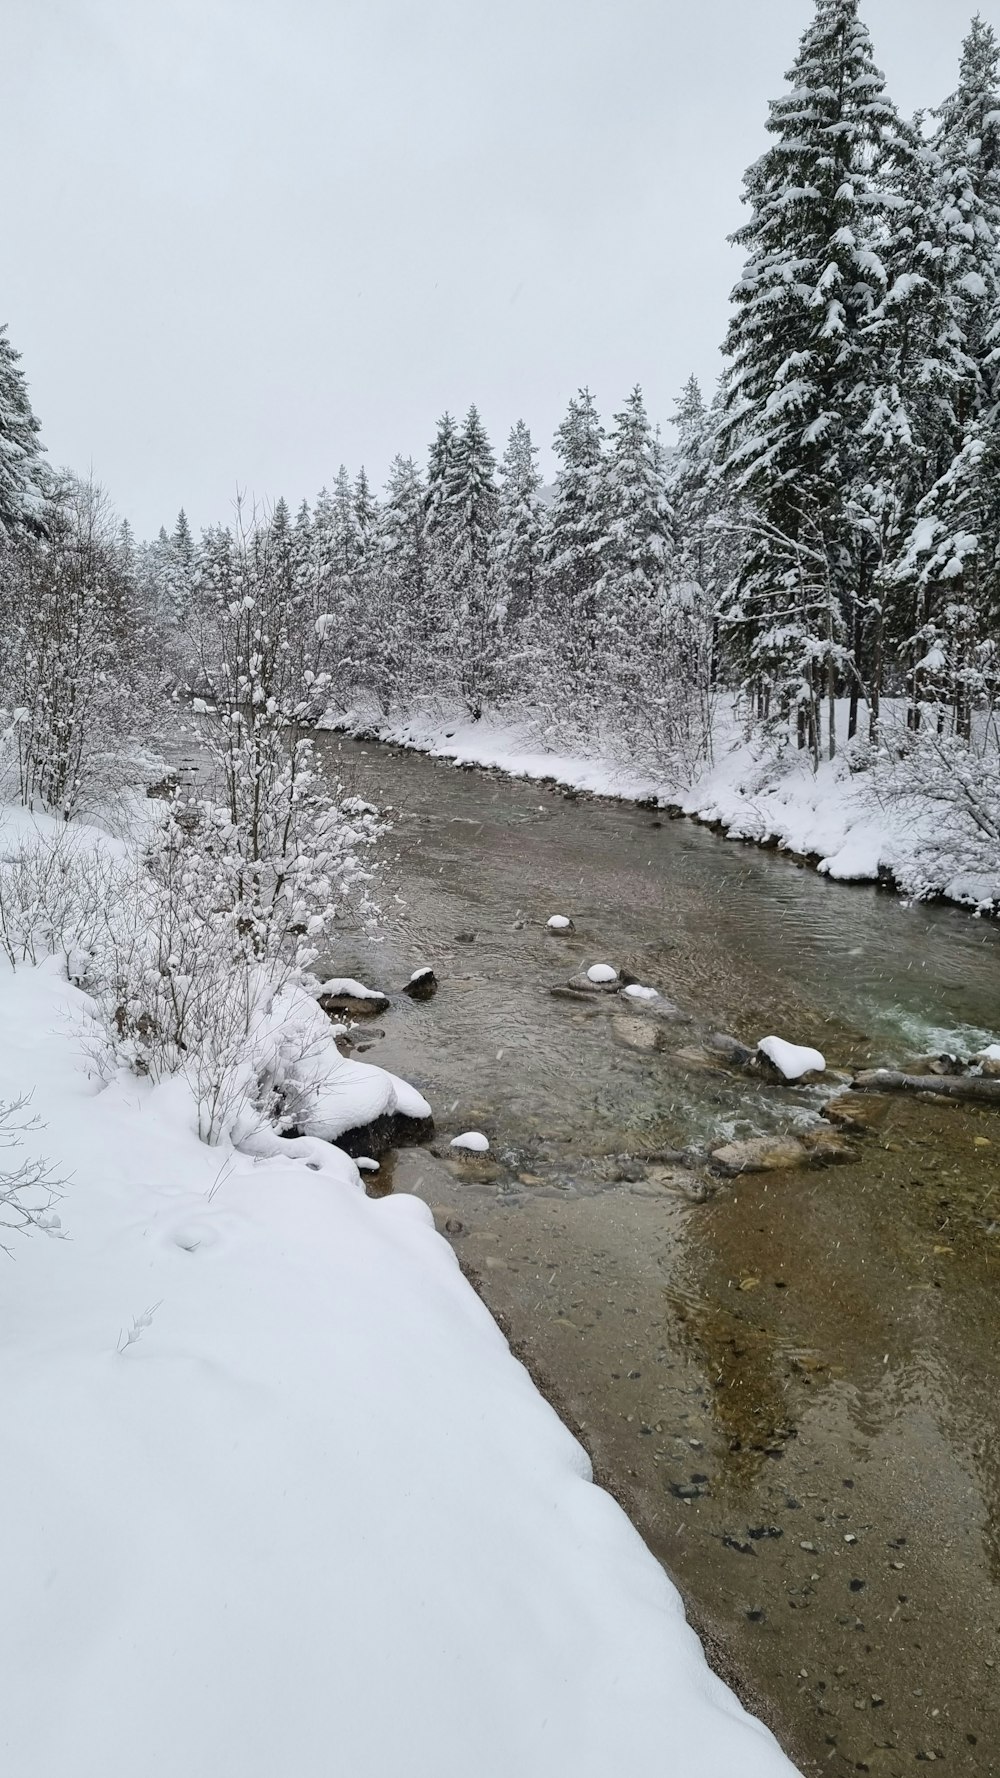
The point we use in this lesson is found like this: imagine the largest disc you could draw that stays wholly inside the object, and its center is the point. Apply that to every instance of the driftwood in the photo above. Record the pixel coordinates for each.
(976, 1087)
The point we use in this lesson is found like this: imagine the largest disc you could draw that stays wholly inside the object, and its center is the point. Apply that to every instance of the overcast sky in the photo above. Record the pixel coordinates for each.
(246, 240)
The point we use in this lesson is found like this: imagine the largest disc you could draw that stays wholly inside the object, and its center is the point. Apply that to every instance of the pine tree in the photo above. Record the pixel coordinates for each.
(20, 452)
(402, 613)
(467, 521)
(635, 552)
(519, 529)
(968, 142)
(804, 362)
(571, 559)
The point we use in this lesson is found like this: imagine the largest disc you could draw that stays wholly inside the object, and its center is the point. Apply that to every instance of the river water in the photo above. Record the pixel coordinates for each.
(790, 1381)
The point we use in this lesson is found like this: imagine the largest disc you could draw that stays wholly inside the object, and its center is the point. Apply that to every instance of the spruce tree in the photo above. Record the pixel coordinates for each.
(571, 558)
(803, 353)
(20, 452)
(471, 502)
(519, 529)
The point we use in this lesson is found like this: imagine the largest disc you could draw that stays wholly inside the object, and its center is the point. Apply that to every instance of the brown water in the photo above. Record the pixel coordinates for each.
(792, 1385)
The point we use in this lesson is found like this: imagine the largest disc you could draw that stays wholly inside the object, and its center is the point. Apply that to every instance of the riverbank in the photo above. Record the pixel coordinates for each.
(851, 821)
(275, 1494)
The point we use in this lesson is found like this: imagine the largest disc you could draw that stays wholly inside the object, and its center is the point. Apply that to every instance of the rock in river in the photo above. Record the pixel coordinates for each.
(422, 985)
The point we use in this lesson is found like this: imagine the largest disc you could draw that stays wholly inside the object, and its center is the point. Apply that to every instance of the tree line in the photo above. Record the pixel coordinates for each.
(819, 544)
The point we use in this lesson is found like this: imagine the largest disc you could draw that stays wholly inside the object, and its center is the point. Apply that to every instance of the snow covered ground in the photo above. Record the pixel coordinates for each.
(275, 1498)
(840, 816)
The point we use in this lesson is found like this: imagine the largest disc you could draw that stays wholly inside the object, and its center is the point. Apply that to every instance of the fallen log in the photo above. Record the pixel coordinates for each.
(976, 1087)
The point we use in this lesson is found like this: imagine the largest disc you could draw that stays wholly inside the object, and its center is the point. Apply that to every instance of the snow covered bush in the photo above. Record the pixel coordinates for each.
(950, 787)
(27, 1191)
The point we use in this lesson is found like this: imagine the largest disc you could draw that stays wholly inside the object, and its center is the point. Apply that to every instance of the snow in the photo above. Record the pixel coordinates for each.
(331, 1093)
(793, 1060)
(558, 923)
(419, 974)
(602, 972)
(990, 1054)
(344, 985)
(635, 991)
(473, 1140)
(275, 1495)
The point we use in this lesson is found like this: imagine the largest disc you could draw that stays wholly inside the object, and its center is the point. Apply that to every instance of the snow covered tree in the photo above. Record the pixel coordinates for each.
(471, 505)
(804, 370)
(572, 538)
(78, 651)
(402, 615)
(519, 529)
(20, 450)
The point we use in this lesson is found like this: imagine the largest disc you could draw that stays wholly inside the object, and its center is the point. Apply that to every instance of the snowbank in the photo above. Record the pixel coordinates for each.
(312, 1517)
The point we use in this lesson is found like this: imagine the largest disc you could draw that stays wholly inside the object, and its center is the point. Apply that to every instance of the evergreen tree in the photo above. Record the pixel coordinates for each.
(519, 529)
(804, 367)
(471, 505)
(20, 452)
(572, 542)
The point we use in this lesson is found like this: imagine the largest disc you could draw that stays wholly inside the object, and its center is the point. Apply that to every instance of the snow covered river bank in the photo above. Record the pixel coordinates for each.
(789, 1381)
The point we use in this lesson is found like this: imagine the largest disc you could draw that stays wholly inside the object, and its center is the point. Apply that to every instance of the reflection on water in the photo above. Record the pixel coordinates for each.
(792, 1385)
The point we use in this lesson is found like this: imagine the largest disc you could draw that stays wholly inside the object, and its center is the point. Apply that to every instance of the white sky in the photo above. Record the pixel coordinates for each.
(248, 239)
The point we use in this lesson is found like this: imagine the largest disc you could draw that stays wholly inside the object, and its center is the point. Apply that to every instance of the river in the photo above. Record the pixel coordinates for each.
(790, 1381)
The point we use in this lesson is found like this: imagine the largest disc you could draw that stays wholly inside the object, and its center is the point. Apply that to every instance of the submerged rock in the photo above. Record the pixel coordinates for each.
(856, 1111)
(760, 1154)
(730, 1049)
(637, 1034)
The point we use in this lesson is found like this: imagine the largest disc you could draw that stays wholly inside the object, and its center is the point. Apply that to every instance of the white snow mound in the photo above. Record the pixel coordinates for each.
(602, 972)
(636, 991)
(344, 984)
(793, 1060)
(472, 1139)
(558, 923)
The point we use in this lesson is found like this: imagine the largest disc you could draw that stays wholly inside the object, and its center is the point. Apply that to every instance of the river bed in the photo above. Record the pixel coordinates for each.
(790, 1380)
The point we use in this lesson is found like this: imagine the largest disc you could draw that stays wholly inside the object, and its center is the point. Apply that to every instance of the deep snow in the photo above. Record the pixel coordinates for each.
(313, 1519)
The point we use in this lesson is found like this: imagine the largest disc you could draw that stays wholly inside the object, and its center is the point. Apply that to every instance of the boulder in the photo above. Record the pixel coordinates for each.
(342, 997)
(583, 984)
(788, 1061)
(422, 985)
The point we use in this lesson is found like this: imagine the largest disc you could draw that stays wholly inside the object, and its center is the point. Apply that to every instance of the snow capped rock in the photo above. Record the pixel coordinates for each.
(792, 1060)
(473, 1140)
(559, 923)
(602, 972)
(636, 991)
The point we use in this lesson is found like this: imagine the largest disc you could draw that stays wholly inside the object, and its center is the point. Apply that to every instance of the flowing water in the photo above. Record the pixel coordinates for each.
(790, 1380)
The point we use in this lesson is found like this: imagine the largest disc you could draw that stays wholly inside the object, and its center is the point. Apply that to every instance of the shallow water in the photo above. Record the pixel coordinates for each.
(793, 1385)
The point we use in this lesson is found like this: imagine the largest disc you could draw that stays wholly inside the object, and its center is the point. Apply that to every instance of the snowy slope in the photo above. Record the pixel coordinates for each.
(315, 1520)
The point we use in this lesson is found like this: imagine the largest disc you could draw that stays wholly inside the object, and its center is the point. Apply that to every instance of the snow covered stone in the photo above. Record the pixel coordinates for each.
(989, 1060)
(341, 994)
(559, 923)
(422, 985)
(792, 1060)
(473, 1140)
(600, 973)
(636, 991)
